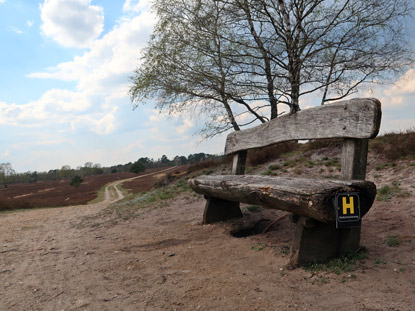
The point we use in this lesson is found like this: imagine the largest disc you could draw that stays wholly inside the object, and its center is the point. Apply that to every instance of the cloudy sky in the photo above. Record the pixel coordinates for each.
(64, 80)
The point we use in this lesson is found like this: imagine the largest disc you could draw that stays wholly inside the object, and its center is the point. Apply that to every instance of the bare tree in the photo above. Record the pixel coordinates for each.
(190, 63)
(232, 59)
(330, 46)
(6, 170)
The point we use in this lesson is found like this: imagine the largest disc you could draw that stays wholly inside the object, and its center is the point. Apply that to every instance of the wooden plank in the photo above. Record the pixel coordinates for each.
(354, 159)
(302, 196)
(239, 163)
(355, 118)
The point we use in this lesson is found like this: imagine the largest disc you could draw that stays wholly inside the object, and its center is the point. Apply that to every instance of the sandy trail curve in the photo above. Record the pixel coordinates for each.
(110, 197)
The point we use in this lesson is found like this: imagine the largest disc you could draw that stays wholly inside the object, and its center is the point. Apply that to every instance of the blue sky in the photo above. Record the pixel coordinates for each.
(64, 80)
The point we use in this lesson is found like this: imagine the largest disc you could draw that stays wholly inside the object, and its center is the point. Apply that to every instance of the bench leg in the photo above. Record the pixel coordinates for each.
(313, 241)
(349, 240)
(220, 210)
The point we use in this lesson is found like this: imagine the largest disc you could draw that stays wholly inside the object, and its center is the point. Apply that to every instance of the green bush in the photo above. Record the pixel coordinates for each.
(137, 167)
(76, 181)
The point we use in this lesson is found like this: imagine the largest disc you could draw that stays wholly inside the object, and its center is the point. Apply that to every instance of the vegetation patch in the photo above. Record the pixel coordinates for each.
(394, 146)
(393, 240)
(380, 261)
(387, 192)
(258, 247)
(262, 155)
(269, 173)
(100, 196)
(274, 167)
(338, 265)
(14, 204)
(147, 198)
(55, 193)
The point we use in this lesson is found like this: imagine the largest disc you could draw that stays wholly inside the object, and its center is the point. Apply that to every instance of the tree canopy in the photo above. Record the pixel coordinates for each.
(137, 167)
(238, 61)
(6, 170)
(76, 181)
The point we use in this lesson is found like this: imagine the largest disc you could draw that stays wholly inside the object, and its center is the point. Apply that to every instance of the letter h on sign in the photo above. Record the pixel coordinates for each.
(347, 206)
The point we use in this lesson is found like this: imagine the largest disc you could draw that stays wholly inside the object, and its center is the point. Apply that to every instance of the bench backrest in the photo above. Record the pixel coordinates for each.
(355, 120)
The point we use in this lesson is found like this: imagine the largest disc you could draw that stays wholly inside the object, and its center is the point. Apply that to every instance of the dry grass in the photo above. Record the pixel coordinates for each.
(208, 164)
(394, 146)
(263, 155)
(323, 143)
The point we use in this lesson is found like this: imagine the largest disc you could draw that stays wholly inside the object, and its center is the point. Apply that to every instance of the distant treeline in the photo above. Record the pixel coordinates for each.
(8, 176)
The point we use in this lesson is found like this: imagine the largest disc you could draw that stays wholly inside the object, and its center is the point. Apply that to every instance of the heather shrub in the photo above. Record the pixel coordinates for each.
(262, 155)
(12, 204)
(324, 143)
(393, 146)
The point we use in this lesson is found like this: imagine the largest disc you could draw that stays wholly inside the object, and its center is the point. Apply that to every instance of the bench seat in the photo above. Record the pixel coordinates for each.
(302, 196)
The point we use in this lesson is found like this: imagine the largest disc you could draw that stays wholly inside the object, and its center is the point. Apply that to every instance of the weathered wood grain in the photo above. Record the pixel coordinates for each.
(354, 159)
(239, 163)
(355, 118)
(305, 197)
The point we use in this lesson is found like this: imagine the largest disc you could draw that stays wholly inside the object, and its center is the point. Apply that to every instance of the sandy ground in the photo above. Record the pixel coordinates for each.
(73, 258)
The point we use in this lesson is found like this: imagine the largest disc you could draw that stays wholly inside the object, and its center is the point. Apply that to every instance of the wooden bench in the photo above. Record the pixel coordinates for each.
(319, 206)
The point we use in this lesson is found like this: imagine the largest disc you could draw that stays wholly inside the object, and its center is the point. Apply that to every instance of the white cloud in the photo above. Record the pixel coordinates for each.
(405, 85)
(102, 75)
(395, 96)
(136, 5)
(187, 125)
(99, 103)
(2, 1)
(54, 105)
(110, 60)
(103, 124)
(16, 30)
(66, 109)
(29, 24)
(5, 154)
(72, 23)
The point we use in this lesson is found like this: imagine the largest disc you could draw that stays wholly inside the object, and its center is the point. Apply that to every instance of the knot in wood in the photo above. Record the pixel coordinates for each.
(266, 191)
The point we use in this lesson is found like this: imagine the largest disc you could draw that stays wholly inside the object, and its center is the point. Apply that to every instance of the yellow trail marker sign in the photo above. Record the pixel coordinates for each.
(347, 206)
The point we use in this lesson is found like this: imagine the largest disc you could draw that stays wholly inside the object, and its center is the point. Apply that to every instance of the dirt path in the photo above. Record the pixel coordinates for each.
(42, 249)
(164, 259)
(110, 197)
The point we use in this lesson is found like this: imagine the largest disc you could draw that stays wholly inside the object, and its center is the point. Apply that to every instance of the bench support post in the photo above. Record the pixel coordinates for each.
(316, 241)
(239, 163)
(222, 210)
(313, 241)
(354, 159)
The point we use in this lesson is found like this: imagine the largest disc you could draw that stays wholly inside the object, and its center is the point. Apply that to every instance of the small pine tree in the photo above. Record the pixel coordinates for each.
(76, 181)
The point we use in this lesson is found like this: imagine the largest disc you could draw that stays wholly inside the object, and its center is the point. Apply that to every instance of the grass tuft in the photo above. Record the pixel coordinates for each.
(387, 192)
(392, 240)
(338, 265)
